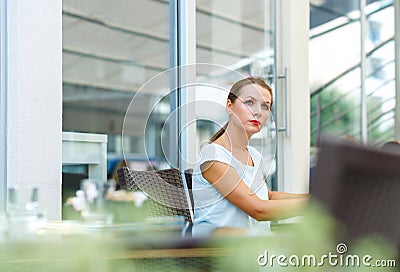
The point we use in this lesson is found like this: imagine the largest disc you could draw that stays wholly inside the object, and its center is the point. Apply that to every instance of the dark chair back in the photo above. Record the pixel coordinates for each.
(361, 187)
(164, 188)
(392, 146)
(188, 176)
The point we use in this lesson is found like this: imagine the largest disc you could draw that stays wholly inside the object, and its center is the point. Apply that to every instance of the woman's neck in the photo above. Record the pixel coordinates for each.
(233, 140)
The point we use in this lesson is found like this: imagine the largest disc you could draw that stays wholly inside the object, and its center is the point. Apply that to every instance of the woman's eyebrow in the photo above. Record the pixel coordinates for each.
(249, 97)
(267, 102)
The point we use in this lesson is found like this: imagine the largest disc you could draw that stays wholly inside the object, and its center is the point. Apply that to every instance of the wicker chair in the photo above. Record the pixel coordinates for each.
(165, 189)
(167, 196)
(360, 186)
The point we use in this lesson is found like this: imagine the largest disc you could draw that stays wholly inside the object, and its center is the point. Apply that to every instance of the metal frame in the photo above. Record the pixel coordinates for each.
(3, 106)
(363, 30)
(396, 4)
(174, 79)
(279, 154)
(183, 48)
(187, 76)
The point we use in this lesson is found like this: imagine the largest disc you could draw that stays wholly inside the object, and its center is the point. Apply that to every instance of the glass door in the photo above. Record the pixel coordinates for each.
(234, 40)
(110, 50)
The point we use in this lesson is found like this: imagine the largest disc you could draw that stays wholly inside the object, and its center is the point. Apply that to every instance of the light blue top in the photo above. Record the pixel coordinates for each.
(212, 210)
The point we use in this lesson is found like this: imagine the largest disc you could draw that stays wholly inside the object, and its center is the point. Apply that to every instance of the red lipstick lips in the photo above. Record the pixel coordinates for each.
(255, 122)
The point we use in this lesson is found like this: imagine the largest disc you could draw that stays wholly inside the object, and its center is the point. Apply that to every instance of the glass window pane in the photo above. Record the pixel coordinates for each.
(380, 23)
(338, 112)
(327, 11)
(236, 39)
(334, 70)
(334, 46)
(110, 49)
(236, 36)
(335, 52)
(380, 75)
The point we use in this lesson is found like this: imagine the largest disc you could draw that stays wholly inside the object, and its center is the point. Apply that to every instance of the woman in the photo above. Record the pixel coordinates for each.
(228, 185)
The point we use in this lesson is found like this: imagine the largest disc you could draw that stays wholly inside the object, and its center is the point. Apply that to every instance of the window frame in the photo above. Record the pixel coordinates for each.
(3, 106)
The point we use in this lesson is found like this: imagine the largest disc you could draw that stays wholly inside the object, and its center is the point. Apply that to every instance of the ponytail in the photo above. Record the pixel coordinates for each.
(218, 133)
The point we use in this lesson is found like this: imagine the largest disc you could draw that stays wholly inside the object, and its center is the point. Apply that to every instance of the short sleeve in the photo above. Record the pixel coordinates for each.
(214, 152)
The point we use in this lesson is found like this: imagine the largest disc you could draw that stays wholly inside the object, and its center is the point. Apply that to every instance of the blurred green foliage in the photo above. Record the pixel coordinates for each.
(107, 251)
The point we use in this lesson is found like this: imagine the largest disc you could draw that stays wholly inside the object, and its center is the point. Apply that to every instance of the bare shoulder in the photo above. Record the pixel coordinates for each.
(222, 176)
(215, 171)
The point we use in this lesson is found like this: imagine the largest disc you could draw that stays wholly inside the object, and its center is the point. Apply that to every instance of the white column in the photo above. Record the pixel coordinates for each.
(187, 57)
(292, 53)
(34, 114)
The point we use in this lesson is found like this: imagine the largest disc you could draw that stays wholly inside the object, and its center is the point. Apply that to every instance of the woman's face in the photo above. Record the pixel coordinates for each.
(251, 109)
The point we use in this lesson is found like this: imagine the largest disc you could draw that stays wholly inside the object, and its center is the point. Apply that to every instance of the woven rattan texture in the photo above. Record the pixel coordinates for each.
(163, 187)
(369, 204)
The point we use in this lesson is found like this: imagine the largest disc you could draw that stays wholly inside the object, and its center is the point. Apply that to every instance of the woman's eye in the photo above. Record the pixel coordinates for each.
(265, 107)
(249, 102)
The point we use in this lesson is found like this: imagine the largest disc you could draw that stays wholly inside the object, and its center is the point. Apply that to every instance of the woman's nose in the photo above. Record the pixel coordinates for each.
(256, 109)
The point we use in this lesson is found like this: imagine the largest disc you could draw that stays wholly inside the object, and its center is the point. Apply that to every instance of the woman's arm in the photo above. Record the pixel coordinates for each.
(282, 195)
(227, 181)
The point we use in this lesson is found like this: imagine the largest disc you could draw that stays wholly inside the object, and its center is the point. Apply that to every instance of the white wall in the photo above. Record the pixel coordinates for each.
(294, 161)
(35, 100)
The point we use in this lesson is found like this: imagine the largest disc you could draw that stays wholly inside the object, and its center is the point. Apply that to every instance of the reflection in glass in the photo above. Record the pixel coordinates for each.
(380, 81)
(110, 49)
(335, 75)
(238, 36)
